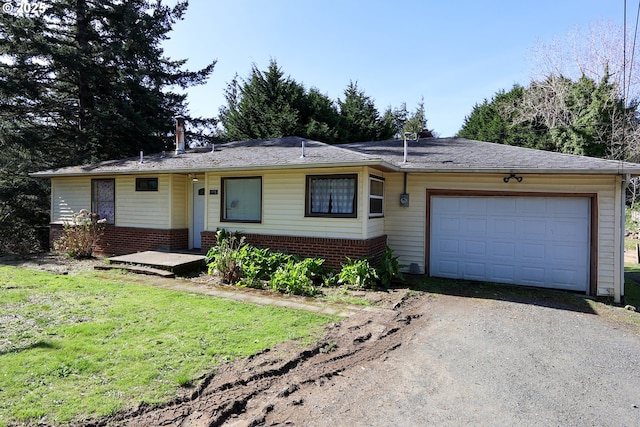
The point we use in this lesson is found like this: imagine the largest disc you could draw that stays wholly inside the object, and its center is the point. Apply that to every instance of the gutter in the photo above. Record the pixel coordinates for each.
(381, 163)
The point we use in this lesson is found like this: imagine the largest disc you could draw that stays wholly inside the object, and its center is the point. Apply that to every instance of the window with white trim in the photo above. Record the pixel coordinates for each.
(376, 196)
(331, 195)
(241, 199)
(103, 199)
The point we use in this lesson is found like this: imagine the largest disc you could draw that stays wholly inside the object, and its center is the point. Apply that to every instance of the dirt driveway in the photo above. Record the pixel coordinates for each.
(432, 360)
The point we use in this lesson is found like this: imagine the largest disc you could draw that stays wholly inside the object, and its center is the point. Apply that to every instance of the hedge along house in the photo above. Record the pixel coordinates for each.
(448, 207)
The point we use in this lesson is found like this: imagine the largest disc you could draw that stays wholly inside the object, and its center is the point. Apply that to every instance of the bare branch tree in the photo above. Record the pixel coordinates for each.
(592, 52)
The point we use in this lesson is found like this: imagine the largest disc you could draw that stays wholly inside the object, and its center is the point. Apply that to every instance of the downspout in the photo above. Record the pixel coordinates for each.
(624, 183)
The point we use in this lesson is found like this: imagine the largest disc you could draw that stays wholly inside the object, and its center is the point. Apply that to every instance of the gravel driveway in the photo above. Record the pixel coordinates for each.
(487, 363)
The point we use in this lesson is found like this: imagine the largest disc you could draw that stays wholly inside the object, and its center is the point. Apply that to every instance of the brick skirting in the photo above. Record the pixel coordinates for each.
(126, 240)
(334, 251)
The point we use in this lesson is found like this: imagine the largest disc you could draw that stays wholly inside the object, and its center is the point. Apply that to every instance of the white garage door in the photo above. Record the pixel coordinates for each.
(536, 241)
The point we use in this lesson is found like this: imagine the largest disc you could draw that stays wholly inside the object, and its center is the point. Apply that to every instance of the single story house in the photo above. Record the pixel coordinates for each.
(448, 207)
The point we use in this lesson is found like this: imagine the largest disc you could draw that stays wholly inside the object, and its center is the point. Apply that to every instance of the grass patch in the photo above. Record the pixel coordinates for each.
(632, 287)
(630, 244)
(341, 295)
(78, 347)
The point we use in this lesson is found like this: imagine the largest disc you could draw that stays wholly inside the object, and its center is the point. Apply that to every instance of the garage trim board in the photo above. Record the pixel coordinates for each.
(523, 238)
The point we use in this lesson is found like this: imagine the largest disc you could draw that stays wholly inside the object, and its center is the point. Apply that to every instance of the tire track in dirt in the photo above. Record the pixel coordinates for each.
(244, 392)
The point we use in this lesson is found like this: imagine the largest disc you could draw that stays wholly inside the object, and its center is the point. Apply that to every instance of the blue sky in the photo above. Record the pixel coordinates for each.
(454, 53)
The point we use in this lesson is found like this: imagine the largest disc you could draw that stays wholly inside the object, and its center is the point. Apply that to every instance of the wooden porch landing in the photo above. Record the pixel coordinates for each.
(165, 264)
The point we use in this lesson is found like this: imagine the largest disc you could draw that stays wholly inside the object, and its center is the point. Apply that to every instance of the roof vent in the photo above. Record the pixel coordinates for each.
(406, 148)
(302, 155)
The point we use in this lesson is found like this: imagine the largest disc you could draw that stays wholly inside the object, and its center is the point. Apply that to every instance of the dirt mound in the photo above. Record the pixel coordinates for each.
(246, 391)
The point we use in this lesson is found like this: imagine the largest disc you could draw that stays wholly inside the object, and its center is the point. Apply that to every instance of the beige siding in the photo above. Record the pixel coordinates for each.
(406, 227)
(69, 196)
(179, 199)
(283, 196)
(146, 209)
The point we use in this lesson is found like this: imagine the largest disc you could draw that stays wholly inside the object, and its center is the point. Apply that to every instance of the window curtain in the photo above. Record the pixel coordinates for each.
(320, 195)
(332, 195)
(342, 192)
(104, 199)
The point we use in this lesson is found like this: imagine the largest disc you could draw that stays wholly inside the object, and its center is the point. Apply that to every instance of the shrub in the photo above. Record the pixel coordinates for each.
(80, 235)
(224, 258)
(261, 263)
(298, 277)
(358, 273)
(388, 270)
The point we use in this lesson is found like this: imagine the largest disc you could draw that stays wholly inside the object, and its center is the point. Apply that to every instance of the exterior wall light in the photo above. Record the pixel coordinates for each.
(512, 176)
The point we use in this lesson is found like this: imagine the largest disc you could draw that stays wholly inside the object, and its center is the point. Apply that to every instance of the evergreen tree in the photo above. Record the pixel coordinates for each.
(583, 117)
(269, 105)
(495, 121)
(81, 81)
(417, 123)
(359, 118)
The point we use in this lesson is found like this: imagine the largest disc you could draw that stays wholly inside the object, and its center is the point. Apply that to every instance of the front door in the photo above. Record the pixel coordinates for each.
(197, 213)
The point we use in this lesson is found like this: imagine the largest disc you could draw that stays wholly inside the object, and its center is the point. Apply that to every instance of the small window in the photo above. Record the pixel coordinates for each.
(376, 196)
(242, 199)
(331, 196)
(146, 184)
(103, 199)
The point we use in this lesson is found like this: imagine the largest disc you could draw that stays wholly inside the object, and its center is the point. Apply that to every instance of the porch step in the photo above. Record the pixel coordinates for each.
(171, 262)
(137, 269)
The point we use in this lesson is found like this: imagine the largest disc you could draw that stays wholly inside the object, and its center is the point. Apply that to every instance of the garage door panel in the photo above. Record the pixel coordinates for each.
(475, 271)
(538, 241)
(449, 247)
(532, 228)
(476, 204)
(565, 254)
(450, 205)
(504, 273)
(504, 249)
(449, 225)
(476, 225)
(449, 269)
(533, 251)
(531, 206)
(560, 277)
(475, 248)
(506, 205)
(534, 276)
(504, 227)
(570, 230)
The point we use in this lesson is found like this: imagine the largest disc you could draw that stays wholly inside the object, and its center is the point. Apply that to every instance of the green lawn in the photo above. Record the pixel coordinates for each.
(77, 347)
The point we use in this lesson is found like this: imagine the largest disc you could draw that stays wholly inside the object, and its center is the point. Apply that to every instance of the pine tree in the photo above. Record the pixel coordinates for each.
(81, 81)
(269, 105)
(360, 120)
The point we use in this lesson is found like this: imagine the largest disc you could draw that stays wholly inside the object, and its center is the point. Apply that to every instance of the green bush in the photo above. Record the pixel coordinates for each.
(358, 273)
(224, 258)
(298, 277)
(80, 235)
(242, 264)
(388, 269)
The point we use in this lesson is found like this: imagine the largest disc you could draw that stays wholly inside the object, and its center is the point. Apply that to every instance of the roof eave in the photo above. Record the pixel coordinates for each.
(361, 163)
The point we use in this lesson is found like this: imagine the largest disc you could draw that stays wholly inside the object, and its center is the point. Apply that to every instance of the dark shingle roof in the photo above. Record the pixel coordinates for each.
(426, 155)
(465, 155)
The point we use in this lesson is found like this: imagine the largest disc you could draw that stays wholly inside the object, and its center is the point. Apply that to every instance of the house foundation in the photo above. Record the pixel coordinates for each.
(127, 240)
(333, 251)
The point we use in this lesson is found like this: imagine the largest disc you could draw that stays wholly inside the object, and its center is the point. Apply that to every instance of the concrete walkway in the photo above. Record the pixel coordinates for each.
(255, 296)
